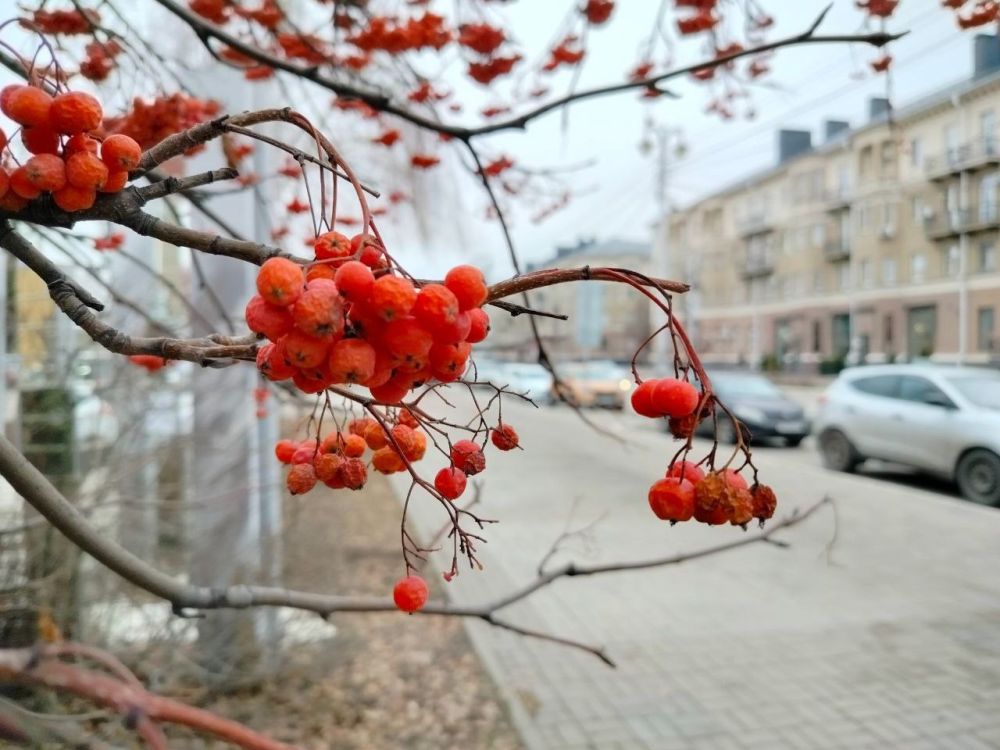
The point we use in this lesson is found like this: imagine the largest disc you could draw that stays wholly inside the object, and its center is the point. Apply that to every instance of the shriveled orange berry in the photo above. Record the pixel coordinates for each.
(311, 380)
(353, 473)
(71, 198)
(75, 112)
(351, 361)
(764, 501)
(468, 285)
(392, 297)
(115, 182)
(121, 153)
(27, 105)
(327, 465)
(273, 364)
(47, 172)
(301, 478)
(739, 506)
(360, 426)
(387, 461)
(354, 446)
(40, 140)
(320, 271)
(393, 390)
(418, 446)
(280, 281)
(11, 201)
(84, 170)
(710, 499)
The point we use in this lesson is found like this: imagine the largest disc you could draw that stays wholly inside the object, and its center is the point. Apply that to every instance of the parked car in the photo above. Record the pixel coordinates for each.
(762, 407)
(527, 378)
(595, 383)
(942, 420)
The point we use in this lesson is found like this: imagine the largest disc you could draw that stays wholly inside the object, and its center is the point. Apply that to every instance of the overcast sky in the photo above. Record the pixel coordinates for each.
(808, 85)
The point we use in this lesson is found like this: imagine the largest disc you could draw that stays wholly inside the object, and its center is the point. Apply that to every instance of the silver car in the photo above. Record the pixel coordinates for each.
(942, 420)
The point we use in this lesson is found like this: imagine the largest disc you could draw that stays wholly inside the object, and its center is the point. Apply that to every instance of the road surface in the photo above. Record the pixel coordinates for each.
(878, 627)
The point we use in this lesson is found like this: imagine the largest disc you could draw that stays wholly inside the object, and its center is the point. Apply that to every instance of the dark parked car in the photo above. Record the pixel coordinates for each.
(760, 405)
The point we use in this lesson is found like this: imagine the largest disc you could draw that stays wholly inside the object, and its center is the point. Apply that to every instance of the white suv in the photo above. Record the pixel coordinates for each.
(942, 420)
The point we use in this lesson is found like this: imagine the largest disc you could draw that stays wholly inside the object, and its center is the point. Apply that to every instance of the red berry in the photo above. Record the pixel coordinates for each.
(408, 342)
(304, 351)
(468, 457)
(641, 403)
(387, 461)
(40, 140)
(468, 285)
(75, 112)
(332, 245)
(764, 501)
(353, 473)
(456, 332)
(410, 593)
(47, 172)
(504, 437)
(268, 320)
(84, 170)
(327, 465)
(272, 364)
(480, 325)
(672, 499)
(436, 307)
(674, 398)
(392, 297)
(70, 198)
(120, 153)
(284, 450)
(27, 105)
(280, 281)
(354, 446)
(301, 479)
(351, 361)
(686, 470)
(305, 452)
(319, 311)
(115, 182)
(450, 482)
(392, 391)
(710, 500)
(354, 281)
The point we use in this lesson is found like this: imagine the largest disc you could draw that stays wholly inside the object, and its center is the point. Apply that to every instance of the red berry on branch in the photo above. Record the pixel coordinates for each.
(468, 285)
(354, 281)
(764, 501)
(353, 473)
(450, 482)
(120, 153)
(674, 398)
(280, 281)
(26, 105)
(641, 399)
(301, 478)
(269, 320)
(468, 456)
(284, 450)
(351, 361)
(504, 437)
(686, 470)
(392, 297)
(410, 593)
(319, 311)
(479, 325)
(672, 499)
(436, 307)
(75, 112)
(70, 198)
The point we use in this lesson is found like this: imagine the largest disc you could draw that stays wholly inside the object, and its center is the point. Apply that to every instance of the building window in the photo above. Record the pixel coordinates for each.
(888, 154)
(918, 267)
(889, 212)
(987, 256)
(819, 235)
(916, 153)
(867, 277)
(887, 326)
(918, 209)
(817, 336)
(987, 130)
(844, 275)
(985, 328)
(889, 272)
(865, 162)
(951, 144)
(953, 261)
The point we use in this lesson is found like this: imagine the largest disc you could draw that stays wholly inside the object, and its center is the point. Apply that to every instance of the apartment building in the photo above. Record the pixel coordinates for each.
(877, 244)
(606, 320)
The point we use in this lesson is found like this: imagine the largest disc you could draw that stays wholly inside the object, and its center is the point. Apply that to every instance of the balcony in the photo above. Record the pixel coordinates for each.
(971, 156)
(838, 198)
(752, 224)
(837, 249)
(756, 266)
(945, 224)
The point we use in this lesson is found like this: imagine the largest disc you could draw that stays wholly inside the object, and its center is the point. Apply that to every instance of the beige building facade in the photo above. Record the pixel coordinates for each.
(878, 244)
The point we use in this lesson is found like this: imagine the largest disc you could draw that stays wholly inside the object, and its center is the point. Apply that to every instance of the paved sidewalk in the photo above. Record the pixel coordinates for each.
(889, 640)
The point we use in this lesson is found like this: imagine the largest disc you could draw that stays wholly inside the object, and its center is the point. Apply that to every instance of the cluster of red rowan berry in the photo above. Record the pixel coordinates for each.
(687, 491)
(67, 162)
(714, 498)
